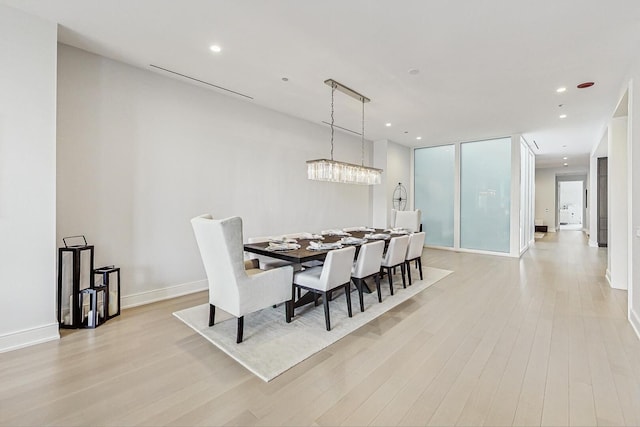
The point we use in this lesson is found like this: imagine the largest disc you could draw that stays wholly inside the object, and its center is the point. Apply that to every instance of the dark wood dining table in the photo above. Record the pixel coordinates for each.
(304, 255)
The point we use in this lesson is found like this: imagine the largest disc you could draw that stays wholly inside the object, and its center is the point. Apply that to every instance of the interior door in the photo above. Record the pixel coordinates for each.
(602, 202)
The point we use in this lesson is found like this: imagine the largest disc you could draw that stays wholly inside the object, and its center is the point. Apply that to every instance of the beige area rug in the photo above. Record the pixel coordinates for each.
(271, 346)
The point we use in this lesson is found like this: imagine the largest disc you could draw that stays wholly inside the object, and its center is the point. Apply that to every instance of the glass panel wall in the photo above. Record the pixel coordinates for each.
(435, 192)
(485, 195)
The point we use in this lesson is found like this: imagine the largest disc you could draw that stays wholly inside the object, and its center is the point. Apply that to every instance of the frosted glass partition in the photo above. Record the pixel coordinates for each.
(435, 192)
(485, 195)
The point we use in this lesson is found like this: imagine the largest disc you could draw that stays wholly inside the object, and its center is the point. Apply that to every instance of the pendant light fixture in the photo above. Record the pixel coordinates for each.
(335, 171)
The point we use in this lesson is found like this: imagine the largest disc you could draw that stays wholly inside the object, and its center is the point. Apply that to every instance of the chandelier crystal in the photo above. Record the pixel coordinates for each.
(335, 171)
(347, 173)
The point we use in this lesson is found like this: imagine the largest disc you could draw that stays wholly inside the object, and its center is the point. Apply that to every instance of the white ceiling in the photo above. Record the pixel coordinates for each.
(487, 67)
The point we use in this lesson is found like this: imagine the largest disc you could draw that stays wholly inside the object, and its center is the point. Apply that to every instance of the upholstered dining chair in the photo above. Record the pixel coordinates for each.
(265, 262)
(414, 253)
(368, 265)
(395, 257)
(409, 220)
(232, 288)
(335, 273)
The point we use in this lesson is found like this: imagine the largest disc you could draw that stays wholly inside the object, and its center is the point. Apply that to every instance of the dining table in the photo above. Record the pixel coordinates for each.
(304, 255)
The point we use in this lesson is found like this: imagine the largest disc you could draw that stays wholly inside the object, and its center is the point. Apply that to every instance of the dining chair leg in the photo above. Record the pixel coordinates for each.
(327, 319)
(420, 267)
(316, 297)
(288, 310)
(376, 278)
(348, 294)
(404, 281)
(299, 293)
(358, 284)
(390, 280)
(212, 314)
(408, 267)
(240, 329)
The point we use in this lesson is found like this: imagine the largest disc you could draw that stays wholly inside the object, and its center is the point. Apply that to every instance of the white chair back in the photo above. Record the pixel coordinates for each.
(369, 260)
(256, 240)
(409, 220)
(301, 235)
(336, 270)
(416, 244)
(220, 243)
(396, 252)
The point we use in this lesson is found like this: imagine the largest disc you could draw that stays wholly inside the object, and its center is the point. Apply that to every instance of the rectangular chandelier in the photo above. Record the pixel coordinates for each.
(347, 173)
(334, 171)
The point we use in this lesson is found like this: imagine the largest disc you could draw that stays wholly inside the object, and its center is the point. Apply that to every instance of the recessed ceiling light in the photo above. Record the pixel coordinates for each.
(565, 164)
(418, 138)
(563, 116)
(585, 85)
(413, 71)
(564, 146)
(285, 79)
(215, 48)
(564, 158)
(388, 124)
(561, 89)
(406, 131)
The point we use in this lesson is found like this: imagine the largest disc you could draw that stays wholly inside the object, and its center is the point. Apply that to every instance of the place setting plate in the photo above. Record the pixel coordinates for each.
(281, 247)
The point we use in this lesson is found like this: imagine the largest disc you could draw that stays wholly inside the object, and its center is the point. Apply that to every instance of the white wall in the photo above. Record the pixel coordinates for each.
(545, 199)
(27, 180)
(618, 204)
(139, 154)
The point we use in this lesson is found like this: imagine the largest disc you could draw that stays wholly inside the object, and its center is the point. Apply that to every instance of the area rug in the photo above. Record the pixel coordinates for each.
(538, 235)
(271, 346)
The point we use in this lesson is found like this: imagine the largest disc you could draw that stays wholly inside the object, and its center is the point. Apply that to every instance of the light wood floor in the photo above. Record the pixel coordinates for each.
(538, 341)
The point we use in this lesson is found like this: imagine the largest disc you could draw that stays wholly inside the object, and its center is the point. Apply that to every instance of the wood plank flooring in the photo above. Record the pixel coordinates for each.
(538, 341)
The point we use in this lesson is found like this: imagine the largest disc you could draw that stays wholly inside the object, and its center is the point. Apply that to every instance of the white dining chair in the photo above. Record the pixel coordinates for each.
(368, 265)
(231, 287)
(265, 262)
(321, 281)
(395, 257)
(414, 253)
(409, 220)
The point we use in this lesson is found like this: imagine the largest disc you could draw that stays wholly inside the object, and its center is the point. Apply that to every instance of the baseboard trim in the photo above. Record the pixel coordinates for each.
(593, 244)
(607, 275)
(471, 251)
(155, 295)
(29, 337)
(634, 319)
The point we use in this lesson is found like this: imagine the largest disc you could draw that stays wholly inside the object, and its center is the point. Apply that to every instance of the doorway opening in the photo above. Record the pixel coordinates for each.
(570, 205)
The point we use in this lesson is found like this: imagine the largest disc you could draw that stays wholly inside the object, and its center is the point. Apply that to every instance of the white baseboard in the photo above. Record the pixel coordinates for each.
(28, 337)
(593, 243)
(147, 297)
(634, 319)
(470, 251)
(607, 275)
(551, 229)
